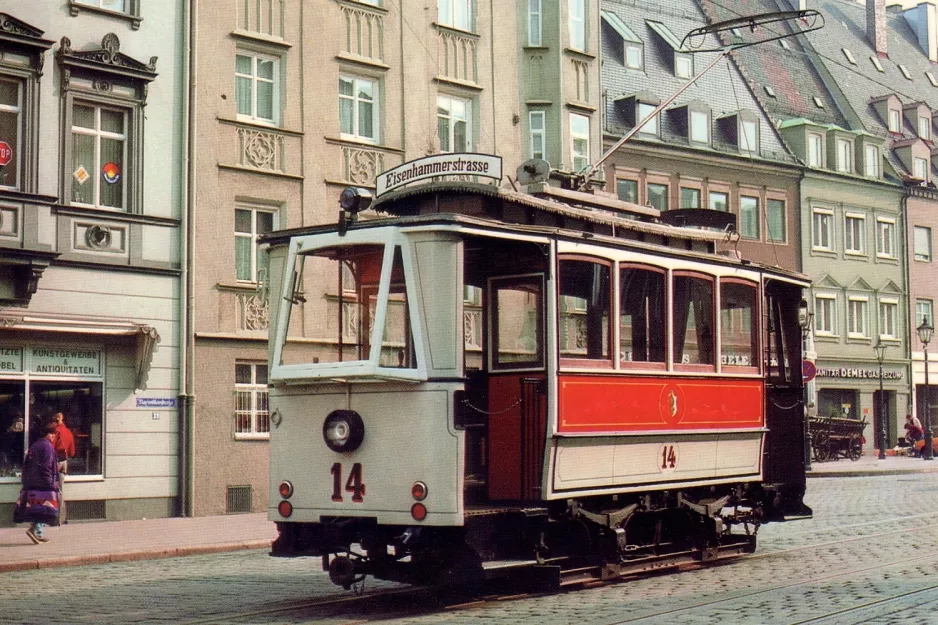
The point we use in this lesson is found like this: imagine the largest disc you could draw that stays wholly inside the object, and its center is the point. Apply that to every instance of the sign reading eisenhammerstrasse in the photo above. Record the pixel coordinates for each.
(459, 164)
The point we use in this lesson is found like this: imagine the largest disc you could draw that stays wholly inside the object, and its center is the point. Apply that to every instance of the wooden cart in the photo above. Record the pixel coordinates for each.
(835, 437)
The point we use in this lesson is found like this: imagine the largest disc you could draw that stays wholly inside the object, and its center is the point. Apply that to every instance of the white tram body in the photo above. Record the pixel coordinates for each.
(480, 375)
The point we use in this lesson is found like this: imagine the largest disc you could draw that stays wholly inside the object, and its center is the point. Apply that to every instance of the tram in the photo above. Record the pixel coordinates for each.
(468, 380)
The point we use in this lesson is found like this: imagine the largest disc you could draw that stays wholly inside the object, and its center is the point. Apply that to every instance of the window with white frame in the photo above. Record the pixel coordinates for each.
(924, 308)
(454, 123)
(100, 165)
(250, 224)
(920, 165)
(358, 108)
(822, 232)
(537, 130)
(455, 13)
(535, 22)
(924, 128)
(825, 319)
(922, 243)
(579, 141)
(749, 217)
(644, 112)
(888, 319)
(844, 155)
(886, 238)
(775, 220)
(634, 55)
(854, 234)
(699, 127)
(683, 65)
(257, 87)
(252, 415)
(750, 136)
(895, 120)
(11, 110)
(857, 317)
(871, 161)
(577, 24)
(119, 6)
(815, 150)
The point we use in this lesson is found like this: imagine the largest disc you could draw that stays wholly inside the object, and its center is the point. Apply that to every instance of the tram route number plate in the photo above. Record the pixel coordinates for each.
(353, 484)
(668, 457)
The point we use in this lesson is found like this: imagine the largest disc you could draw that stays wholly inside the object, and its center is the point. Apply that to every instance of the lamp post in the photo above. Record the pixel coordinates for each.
(804, 320)
(925, 331)
(880, 349)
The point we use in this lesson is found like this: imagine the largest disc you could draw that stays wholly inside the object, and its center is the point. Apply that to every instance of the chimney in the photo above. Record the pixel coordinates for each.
(876, 25)
(924, 23)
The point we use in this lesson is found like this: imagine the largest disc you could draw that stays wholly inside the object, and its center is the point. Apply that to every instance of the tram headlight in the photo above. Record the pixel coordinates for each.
(343, 430)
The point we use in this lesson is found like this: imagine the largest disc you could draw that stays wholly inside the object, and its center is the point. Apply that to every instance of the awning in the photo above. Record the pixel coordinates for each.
(146, 335)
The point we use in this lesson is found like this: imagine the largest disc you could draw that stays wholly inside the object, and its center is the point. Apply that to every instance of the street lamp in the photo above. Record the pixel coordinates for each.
(804, 320)
(880, 348)
(925, 332)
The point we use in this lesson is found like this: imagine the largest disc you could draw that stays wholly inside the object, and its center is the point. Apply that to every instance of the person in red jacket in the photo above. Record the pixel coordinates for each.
(64, 442)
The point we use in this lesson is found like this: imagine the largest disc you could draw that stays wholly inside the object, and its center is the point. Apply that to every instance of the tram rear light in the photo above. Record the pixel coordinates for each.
(419, 491)
(286, 489)
(285, 508)
(418, 511)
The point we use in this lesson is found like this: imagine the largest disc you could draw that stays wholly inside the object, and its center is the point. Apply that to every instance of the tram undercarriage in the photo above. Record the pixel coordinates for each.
(561, 542)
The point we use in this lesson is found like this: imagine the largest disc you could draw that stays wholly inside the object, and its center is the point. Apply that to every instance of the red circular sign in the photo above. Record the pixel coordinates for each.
(808, 370)
(6, 153)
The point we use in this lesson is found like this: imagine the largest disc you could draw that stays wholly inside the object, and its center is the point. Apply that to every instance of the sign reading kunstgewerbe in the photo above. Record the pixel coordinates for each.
(459, 164)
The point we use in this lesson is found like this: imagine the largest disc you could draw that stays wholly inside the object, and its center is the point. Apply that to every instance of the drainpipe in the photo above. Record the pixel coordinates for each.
(907, 274)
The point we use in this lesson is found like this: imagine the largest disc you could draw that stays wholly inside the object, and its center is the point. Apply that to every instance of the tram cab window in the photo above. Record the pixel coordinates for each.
(585, 310)
(693, 320)
(642, 315)
(738, 327)
(518, 310)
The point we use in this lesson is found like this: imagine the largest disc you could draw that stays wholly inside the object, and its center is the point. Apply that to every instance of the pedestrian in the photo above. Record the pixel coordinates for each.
(913, 431)
(64, 449)
(38, 502)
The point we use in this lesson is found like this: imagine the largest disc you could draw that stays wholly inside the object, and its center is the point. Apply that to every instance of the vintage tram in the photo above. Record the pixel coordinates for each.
(469, 380)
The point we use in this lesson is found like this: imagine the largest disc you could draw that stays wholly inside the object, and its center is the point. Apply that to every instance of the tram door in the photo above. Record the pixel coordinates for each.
(517, 400)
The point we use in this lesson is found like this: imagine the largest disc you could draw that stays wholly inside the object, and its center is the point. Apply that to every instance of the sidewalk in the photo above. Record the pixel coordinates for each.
(115, 541)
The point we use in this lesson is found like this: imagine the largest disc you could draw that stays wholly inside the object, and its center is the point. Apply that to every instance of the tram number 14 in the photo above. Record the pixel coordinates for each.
(353, 484)
(669, 457)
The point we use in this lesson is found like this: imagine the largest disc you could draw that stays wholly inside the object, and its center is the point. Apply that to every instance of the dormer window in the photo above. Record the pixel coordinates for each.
(741, 129)
(692, 119)
(636, 108)
(877, 64)
(931, 79)
(905, 71)
(815, 150)
(920, 168)
(844, 156)
(644, 112)
(683, 65)
(633, 48)
(683, 61)
(849, 56)
(924, 128)
(895, 121)
(699, 127)
(871, 161)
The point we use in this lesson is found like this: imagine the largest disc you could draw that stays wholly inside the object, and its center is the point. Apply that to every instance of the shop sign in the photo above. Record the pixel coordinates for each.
(11, 359)
(65, 361)
(862, 374)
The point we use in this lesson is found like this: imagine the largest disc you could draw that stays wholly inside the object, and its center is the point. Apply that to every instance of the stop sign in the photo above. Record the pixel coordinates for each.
(6, 153)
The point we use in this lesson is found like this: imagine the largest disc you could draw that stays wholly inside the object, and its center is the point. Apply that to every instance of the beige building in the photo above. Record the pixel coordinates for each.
(294, 101)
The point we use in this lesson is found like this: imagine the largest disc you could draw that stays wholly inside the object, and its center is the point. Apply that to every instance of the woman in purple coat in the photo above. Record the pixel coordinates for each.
(40, 473)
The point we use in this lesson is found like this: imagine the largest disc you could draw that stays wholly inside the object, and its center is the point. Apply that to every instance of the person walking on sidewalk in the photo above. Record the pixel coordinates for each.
(38, 503)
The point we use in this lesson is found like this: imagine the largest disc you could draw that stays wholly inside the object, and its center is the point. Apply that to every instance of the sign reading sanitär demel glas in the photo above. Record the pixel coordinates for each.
(460, 164)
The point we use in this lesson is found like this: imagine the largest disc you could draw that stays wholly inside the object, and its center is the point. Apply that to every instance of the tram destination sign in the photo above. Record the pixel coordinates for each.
(458, 164)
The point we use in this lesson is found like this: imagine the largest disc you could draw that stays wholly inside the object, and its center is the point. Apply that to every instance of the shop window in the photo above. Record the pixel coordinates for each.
(252, 416)
(642, 316)
(585, 310)
(738, 327)
(693, 320)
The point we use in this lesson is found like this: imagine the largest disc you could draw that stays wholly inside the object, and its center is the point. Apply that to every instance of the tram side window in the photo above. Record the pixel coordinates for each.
(518, 322)
(693, 320)
(397, 344)
(585, 310)
(642, 315)
(738, 334)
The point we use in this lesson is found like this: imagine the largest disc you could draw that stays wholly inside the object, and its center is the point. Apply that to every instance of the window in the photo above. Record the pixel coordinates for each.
(250, 224)
(750, 136)
(11, 109)
(658, 196)
(536, 125)
(644, 111)
(719, 201)
(888, 318)
(257, 87)
(920, 165)
(683, 65)
(455, 13)
(871, 162)
(690, 198)
(585, 310)
(857, 324)
(854, 234)
(518, 322)
(924, 128)
(905, 71)
(885, 238)
(642, 315)
(99, 144)
(775, 220)
(849, 56)
(535, 19)
(824, 317)
(815, 150)
(579, 141)
(358, 108)
(931, 79)
(922, 242)
(877, 64)
(627, 190)
(895, 120)
(823, 230)
(738, 335)
(578, 24)
(699, 127)
(252, 417)
(924, 308)
(749, 217)
(454, 124)
(120, 6)
(634, 55)
(693, 320)
(844, 155)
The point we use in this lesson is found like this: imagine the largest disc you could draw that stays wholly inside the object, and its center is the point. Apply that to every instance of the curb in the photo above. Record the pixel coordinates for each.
(861, 473)
(130, 556)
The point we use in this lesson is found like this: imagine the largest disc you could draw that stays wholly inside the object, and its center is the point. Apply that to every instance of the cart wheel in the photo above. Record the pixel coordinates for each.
(855, 452)
(822, 453)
